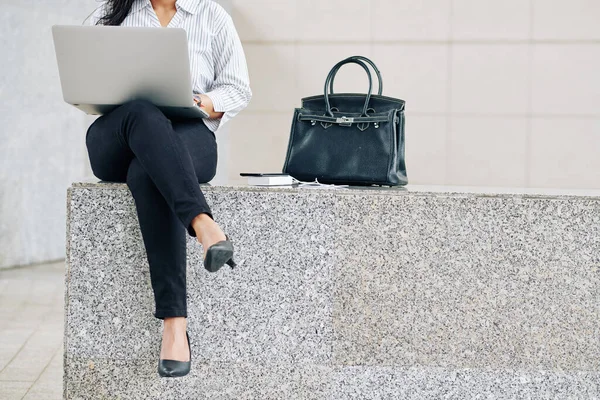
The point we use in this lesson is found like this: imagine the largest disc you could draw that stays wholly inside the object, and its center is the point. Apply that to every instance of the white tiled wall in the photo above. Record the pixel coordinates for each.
(499, 93)
(426, 20)
(490, 19)
(565, 20)
(489, 79)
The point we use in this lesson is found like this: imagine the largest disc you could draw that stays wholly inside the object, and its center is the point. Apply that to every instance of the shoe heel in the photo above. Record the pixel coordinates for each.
(231, 263)
(219, 254)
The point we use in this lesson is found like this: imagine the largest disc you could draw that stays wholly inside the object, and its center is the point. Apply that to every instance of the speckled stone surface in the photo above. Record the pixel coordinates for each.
(276, 306)
(100, 379)
(349, 293)
(379, 383)
(468, 282)
(243, 381)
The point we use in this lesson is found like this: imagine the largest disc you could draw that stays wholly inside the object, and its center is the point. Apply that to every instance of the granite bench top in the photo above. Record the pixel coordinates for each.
(416, 190)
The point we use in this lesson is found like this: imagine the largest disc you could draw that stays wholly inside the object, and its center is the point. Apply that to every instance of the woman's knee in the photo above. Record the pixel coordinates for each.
(103, 168)
(206, 167)
(209, 174)
(106, 172)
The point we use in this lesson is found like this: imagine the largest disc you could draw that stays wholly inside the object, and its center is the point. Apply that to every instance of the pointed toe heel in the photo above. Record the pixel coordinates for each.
(219, 254)
(174, 368)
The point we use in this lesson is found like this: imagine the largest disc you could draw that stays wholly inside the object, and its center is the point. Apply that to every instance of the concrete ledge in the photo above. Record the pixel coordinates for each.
(376, 293)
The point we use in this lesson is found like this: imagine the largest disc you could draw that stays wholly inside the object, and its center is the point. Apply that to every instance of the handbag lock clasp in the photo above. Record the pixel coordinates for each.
(345, 121)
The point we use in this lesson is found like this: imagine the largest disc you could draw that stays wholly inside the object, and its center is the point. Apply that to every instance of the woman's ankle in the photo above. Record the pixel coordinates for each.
(175, 324)
(200, 222)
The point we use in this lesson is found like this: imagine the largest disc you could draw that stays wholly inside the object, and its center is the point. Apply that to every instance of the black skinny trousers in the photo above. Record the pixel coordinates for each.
(162, 161)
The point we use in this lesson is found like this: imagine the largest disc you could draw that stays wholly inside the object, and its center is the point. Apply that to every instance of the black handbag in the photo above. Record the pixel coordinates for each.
(348, 138)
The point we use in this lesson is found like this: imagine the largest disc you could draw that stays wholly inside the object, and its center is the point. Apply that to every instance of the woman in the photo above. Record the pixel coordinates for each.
(163, 161)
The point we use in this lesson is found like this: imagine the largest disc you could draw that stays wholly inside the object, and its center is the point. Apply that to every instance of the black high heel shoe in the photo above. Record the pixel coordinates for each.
(174, 368)
(219, 254)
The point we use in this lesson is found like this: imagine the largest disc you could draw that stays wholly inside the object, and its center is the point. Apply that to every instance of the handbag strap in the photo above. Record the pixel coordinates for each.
(332, 75)
(358, 58)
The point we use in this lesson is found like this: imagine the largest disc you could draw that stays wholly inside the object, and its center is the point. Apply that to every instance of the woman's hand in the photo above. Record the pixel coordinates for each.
(207, 105)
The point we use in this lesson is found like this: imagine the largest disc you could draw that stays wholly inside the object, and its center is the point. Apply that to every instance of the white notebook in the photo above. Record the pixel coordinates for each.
(281, 180)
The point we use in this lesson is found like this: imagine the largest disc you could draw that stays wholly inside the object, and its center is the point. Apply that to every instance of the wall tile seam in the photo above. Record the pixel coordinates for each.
(491, 42)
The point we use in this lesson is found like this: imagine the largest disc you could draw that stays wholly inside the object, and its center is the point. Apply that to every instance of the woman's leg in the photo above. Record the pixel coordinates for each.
(116, 147)
(143, 131)
(165, 237)
(202, 146)
(165, 242)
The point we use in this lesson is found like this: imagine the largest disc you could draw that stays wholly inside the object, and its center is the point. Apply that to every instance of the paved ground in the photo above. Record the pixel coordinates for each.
(31, 332)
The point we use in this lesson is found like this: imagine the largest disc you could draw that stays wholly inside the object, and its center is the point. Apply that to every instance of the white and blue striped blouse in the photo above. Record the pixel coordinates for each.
(218, 63)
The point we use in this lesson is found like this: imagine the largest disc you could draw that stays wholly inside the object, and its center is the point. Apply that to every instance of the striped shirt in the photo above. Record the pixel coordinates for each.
(218, 63)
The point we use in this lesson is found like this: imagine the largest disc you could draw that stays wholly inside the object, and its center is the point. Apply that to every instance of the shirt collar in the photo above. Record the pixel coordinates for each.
(190, 6)
(138, 5)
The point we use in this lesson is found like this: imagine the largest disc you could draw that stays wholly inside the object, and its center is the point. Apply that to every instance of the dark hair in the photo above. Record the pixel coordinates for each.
(116, 11)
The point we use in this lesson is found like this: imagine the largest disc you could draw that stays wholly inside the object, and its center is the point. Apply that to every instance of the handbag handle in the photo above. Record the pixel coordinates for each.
(335, 71)
(332, 75)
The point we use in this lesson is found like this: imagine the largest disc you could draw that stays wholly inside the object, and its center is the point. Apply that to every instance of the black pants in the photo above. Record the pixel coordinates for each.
(162, 162)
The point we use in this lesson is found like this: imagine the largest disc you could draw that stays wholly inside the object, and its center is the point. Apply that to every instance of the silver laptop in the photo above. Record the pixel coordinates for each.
(102, 67)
